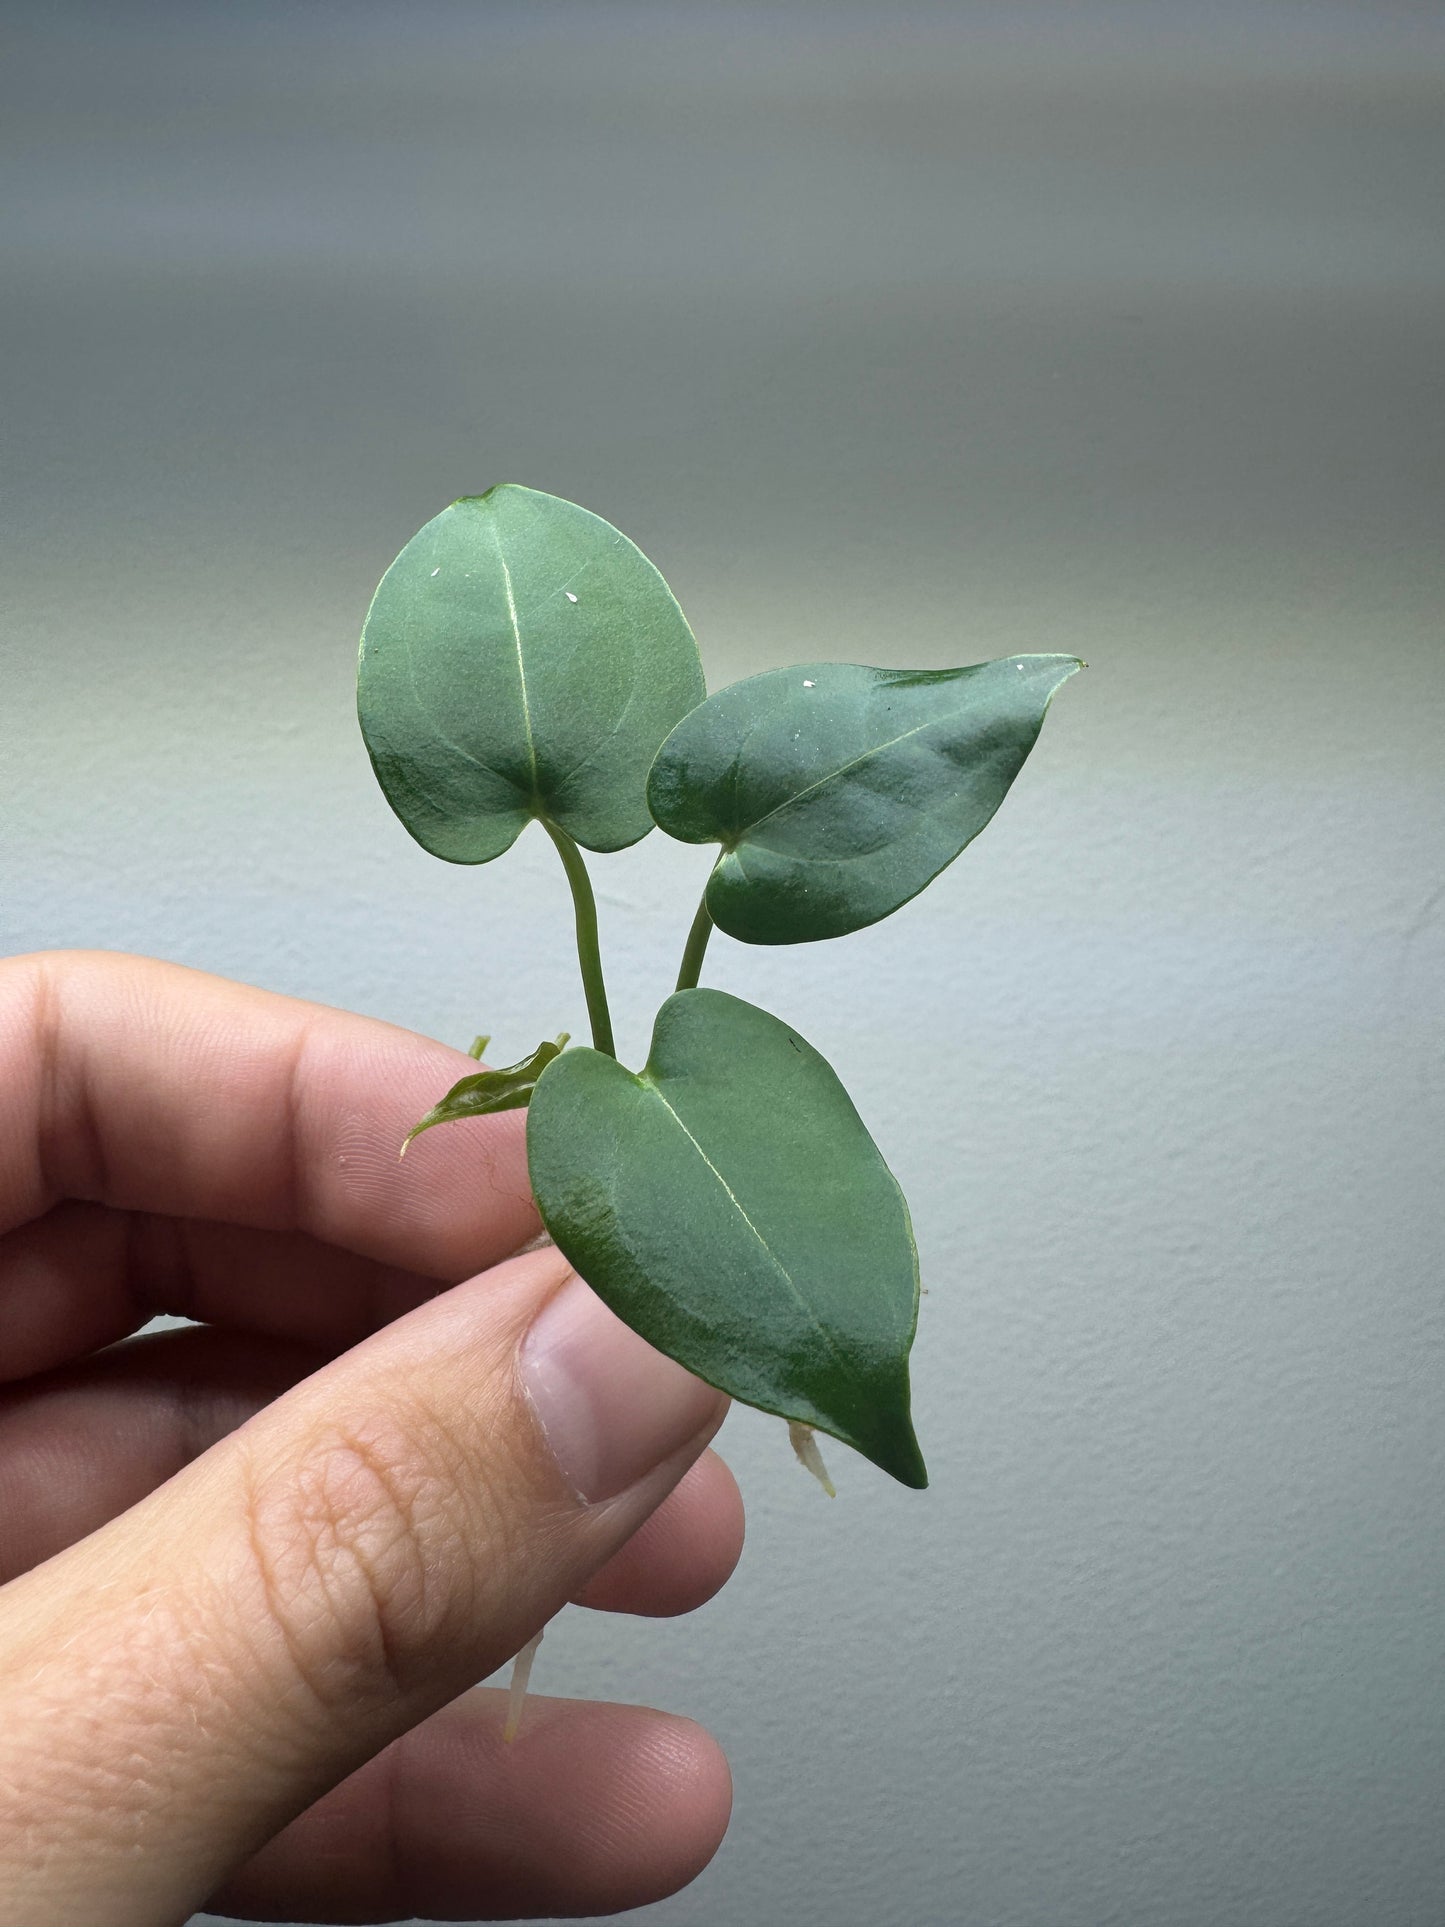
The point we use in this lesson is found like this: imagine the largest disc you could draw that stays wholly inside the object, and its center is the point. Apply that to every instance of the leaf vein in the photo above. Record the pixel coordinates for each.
(448, 742)
(844, 1362)
(521, 665)
(831, 776)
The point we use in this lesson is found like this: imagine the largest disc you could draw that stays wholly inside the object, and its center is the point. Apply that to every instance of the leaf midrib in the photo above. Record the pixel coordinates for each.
(832, 776)
(841, 1358)
(517, 645)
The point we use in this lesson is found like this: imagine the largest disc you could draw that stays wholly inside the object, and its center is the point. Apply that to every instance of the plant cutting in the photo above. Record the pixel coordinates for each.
(523, 661)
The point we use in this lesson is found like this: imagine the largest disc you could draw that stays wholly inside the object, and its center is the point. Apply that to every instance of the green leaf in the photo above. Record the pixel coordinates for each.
(488, 1091)
(838, 791)
(521, 659)
(729, 1205)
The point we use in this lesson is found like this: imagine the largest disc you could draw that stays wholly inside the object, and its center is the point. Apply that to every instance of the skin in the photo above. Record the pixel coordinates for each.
(252, 1568)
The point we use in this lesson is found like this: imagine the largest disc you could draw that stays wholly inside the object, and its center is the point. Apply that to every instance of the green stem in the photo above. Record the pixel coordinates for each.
(589, 956)
(696, 944)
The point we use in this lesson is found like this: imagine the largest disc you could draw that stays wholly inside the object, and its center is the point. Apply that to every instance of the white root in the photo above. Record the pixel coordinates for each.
(517, 1691)
(805, 1445)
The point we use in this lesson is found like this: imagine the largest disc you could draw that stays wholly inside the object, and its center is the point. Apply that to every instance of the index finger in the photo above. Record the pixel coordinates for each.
(153, 1088)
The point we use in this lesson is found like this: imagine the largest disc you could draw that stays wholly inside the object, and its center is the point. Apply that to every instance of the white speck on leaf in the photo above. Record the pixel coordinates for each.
(436, 571)
(806, 683)
(569, 595)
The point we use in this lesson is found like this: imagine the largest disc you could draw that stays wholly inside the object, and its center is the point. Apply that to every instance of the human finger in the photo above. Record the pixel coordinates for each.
(81, 1445)
(157, 1089)
(84, 1275)
(592, 1809)
(185, 1681)
(679, 1557)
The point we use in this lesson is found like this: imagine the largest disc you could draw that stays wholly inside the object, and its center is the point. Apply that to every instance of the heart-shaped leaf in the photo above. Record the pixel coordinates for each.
(486, 1092)
(838, 791)
(521, 659)
(729, 1205)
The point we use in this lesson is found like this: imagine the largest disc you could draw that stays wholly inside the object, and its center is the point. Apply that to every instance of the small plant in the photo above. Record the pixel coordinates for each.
(523, 660)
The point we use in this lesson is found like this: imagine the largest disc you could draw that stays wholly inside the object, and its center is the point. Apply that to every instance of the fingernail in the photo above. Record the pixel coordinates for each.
(610, 1406)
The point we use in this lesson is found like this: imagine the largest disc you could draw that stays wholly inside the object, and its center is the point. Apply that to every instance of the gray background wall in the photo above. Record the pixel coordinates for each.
(913, 336)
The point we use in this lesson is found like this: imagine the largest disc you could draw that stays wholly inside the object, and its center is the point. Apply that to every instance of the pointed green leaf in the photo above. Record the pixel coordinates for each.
(521, 658)
(488, 1091)
(838, 792)
(729, 1205)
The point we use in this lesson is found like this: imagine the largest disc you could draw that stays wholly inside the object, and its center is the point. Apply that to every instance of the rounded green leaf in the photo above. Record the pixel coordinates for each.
(521, 659)
(728, 1204)
(839, 791)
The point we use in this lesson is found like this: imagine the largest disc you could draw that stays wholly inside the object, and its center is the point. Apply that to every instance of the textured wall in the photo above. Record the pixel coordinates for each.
(909, 336)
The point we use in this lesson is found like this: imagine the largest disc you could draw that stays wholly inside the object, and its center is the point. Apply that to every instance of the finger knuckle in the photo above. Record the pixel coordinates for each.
(361, 1552)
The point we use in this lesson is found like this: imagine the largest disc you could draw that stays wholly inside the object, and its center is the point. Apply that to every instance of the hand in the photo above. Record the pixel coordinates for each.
(271, 1563)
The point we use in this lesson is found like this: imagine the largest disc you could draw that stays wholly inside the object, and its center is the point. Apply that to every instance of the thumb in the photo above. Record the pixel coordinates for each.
(180, 1685)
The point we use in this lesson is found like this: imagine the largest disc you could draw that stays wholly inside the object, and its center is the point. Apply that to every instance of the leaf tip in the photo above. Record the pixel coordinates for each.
(911, 1471)
(898, 1453)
